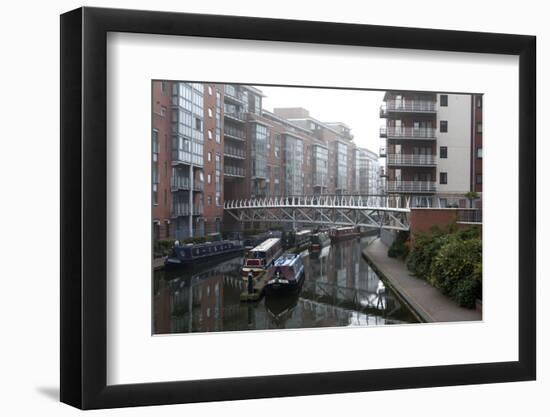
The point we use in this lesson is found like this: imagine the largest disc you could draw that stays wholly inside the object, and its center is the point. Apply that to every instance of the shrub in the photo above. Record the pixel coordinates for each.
(399, 247)
(424, 251)
(456, 270)
(163, 247)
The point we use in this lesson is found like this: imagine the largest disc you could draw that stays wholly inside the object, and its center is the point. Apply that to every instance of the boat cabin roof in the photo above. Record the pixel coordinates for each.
(266, 245)
(286, 260)
(303, 232)
(345, 228)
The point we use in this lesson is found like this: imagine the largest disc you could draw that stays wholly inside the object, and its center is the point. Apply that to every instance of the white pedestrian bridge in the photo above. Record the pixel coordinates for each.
(374, 211)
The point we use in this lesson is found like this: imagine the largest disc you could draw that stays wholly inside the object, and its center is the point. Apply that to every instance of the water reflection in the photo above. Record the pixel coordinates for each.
(340, 289)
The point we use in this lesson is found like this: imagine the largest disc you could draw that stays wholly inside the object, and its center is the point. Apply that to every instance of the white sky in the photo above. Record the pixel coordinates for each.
(360, 110)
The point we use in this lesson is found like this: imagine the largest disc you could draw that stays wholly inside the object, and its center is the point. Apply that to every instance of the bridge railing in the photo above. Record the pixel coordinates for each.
(323, 201)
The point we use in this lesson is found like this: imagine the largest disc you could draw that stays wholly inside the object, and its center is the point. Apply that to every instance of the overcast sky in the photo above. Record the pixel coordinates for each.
(357, 109)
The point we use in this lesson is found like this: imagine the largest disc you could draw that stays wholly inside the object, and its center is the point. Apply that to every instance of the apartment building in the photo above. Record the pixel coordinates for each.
(433, 146)
(215, 142)
(366, 172)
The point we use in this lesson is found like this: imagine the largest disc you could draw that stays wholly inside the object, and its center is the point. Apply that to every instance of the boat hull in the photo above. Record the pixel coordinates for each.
(282, 288)
(174, 262)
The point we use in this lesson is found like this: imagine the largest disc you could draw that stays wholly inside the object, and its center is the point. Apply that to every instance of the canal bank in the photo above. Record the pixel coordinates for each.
(427, 302)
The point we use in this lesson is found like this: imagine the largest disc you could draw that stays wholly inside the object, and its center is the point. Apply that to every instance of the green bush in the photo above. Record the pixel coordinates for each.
(451, 261)
(456, 270)
(399, 248)
(424, 251)
(163, 247)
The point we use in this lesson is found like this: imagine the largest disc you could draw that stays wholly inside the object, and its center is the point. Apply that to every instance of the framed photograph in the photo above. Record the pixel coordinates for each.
(257, 208)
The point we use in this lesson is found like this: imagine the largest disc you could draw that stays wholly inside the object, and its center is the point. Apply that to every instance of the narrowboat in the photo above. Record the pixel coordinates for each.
(261, 257)
(285, 275)
(295, 239)
(341, 233)
(202, 252)
(319, 240)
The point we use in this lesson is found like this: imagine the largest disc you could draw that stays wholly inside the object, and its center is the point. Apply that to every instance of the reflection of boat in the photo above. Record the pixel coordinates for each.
(261, 257)
(280, 308)
(286, 275)
(319, 241)
(342, 233)
(193, 253)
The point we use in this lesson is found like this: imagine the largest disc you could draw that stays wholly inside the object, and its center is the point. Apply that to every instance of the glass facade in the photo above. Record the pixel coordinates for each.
(320, 166)
(341, 166)
(294, 159)
(260, 136)
(187, 123)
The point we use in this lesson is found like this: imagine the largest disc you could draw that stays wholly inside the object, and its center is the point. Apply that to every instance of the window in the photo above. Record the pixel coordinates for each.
(162, 111)
(210, 199)
(443, 100)
(443, 202)
(209, 178)
(209, 90)
(198, 124)
(443, 126)
(479, 179)
(443, 152)
(209, 156)
(479, 127)
(163, 87)
(210, 134)
(210, 112)
(443, 178)
(479, 153)
(155, 165)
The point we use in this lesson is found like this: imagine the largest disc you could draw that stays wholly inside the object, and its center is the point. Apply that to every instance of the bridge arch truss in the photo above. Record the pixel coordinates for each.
(380, 212)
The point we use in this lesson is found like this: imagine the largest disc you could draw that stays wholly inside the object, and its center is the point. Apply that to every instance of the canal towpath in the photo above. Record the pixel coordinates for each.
(428, 302)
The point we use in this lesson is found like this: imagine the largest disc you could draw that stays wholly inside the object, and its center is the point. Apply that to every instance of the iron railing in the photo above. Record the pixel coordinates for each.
(411, 186)
(411, 160)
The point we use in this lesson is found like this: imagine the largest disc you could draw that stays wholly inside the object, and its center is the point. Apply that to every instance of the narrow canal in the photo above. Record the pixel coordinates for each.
(340, 289)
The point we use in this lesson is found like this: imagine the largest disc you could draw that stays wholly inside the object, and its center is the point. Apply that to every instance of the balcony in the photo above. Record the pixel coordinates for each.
(382, 152)
(232, 171)
(237, 116)
(233, 133)
(231, 94)
(197, 210)
(407, 106)
(198, 186)
(411, 160)
(411, 186)
(180, 210)
(413, 133)
(180, 183)
(233, 152)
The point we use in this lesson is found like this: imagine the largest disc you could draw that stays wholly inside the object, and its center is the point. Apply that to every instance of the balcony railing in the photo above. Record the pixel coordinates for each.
(382, 152)
(198, 186)
(407, 106)
(234, 152)
(232, 171)
(233, 132)
(235, 115)
(233, 94)
(421, 133)
(180, 210)
(411, 160)
(469, 216)
(180, 183)
(411, 186)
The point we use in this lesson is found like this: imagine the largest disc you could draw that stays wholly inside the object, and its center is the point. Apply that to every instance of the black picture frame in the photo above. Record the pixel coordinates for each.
(84, 207)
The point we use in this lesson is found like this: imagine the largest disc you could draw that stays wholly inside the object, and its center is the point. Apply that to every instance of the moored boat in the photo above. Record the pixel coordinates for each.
(261, 257)
(341, 233)
(319, 240)
(202, 252)
(285, 275)
(296, 239)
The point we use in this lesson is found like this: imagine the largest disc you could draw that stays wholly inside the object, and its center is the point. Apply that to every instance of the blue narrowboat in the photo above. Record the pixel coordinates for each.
(285, 275)
(193, 253)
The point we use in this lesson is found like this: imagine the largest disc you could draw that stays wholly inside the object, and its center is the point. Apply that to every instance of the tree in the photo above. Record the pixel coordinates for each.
(471, 196)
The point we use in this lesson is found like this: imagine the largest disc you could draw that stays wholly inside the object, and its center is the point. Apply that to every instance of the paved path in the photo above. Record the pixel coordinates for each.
(429, 303)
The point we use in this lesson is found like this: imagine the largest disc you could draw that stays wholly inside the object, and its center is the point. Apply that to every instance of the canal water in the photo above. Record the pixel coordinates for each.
(340, 289)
